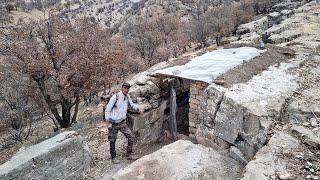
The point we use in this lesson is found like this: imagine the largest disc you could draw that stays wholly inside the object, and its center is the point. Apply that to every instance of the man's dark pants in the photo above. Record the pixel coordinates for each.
(112, 136)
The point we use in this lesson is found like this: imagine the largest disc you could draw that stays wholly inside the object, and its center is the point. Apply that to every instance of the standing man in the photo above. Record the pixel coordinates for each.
(116, 115)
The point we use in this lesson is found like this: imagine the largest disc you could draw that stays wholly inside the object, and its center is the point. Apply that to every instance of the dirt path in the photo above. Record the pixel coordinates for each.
(95, 135)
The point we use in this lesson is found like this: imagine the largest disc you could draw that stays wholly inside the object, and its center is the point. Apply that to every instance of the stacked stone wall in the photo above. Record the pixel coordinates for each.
(196, 97)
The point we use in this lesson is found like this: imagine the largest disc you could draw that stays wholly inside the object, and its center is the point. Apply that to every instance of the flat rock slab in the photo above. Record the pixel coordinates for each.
(263, 94)
(307, 136)
(63, 156)
(302, 109)
(181, 160)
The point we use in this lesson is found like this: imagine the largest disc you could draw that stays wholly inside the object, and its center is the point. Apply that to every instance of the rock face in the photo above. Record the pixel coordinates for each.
(307, 136)
(236, 154)
(254, 26)
(266, 163)
(280, 13)
(303, 109)
(291, 4)
(181, 160)
(263, 23)
(241, 115)
(147, 93)
(63, 156)
(149, 125)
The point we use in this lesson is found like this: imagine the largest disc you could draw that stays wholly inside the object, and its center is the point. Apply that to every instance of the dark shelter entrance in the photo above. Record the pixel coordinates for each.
(181, 88)
(177, 90)
(183, 113)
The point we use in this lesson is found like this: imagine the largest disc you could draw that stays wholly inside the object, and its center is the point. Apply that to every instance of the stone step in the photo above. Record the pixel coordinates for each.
(63, 156)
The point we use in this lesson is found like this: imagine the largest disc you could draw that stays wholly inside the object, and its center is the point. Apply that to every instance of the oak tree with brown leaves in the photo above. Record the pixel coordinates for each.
(65, 60)
(18, 110)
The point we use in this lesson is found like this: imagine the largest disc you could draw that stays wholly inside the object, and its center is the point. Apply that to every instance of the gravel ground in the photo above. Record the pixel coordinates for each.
(101, 167)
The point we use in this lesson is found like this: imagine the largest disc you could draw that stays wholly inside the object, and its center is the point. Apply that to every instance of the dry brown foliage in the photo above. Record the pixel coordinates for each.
(155, 38)
(65, 60)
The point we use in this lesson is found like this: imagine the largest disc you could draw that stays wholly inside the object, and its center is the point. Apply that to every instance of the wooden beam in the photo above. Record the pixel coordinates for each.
(173, 110)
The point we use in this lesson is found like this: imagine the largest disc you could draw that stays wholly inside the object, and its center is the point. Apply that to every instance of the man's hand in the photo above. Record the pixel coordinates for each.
(141, 110)
(108, 124)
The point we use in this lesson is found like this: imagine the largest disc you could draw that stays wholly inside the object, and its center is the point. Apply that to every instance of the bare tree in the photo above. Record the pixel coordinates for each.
(220, 21)
(155, 38)
(9, 7)
(173, 38)
(142, 35)
(242, 12)
(5, 18)
(200, 31)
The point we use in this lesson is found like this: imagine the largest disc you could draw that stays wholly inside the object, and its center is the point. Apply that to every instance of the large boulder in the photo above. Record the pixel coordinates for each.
(181, 160)
(308, 137)
(63, 156)
(266, 162)
(258, 25)
(274, 18)
(285, 36)
(302, 109)
(242, 114)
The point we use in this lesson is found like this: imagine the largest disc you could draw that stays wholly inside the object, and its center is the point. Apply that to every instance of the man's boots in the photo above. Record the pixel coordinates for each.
(132, 157)
(113, 152)
(115, 160)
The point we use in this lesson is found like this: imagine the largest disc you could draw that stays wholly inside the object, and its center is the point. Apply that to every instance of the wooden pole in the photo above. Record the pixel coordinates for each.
(173, 110)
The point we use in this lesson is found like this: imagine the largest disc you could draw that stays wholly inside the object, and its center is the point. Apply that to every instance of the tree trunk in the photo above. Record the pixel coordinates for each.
(66, 114)
(76, 109)
(218, 40)
(85, 98)
(47, 98)
(64, 121)
(104, 88)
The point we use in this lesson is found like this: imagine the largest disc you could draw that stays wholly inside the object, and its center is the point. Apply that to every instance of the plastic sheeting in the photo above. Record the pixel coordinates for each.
(210, 65)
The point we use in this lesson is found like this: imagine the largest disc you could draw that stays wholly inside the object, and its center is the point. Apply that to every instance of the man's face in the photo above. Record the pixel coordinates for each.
(125, 90)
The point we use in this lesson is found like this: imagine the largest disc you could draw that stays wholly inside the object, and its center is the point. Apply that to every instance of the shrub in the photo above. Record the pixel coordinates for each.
(10, 7)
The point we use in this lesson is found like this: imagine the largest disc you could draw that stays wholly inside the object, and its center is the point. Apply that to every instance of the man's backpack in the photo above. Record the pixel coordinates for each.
(106, 99)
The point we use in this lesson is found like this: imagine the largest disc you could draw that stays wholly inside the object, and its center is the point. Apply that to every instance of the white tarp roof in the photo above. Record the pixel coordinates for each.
(212, 64)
